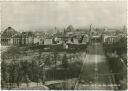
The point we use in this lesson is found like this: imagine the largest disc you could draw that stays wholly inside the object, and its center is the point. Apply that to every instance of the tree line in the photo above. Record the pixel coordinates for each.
(119, 48)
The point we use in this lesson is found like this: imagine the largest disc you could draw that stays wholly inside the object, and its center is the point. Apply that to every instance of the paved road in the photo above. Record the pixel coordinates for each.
(95, 73)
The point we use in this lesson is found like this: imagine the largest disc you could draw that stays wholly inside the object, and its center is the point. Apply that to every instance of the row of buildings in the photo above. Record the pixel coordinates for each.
(113, 36)
(11, 37)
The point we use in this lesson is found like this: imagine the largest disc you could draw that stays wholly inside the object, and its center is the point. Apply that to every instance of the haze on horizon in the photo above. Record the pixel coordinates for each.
(32, 15)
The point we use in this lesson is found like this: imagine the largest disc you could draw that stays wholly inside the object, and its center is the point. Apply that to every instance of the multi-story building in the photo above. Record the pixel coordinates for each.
(16, 39)
(27, 38)
(48, 41)
(24, 38)
(39, 40)
(110, 39)
(85, 39)
(7, 35)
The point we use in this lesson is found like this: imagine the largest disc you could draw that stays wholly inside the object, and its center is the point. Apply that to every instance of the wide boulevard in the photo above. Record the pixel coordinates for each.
(95, 72)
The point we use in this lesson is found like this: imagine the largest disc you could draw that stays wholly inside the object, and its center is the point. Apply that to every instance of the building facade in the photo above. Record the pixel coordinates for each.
(6, 36)
(24, 38)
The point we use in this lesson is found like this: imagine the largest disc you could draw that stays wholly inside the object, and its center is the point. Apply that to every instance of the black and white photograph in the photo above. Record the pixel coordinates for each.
(63, 45)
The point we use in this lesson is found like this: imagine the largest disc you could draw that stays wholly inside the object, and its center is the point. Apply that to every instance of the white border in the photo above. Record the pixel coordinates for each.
(61, 0)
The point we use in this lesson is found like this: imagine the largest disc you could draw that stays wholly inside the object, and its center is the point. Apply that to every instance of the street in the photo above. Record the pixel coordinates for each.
(95, 73)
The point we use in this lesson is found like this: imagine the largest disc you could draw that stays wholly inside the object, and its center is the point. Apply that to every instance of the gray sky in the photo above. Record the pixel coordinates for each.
(30, 15)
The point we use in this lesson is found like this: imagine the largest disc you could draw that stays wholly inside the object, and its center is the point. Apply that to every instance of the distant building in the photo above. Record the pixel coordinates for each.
(7, 35)
(39, 40)
(85, 39)
(69, 31)
(16, 39)
(78, 38)
(69, 28)
(57, 38)
(24, 38)
(110, 39)
(48, 41)
(69, 40)
(27, 38)
(76, 41)
(95, 38)
(72, 40)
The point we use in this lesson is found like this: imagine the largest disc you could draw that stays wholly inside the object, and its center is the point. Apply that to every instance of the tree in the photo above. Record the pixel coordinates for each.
(35, 71)
(47, 60)
(4, 74)
(64, 61)
(19, 74)
(25, 68)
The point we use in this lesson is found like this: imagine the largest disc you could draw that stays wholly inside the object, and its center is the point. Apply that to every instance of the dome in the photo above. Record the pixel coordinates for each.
(69, 28)
(8, 32)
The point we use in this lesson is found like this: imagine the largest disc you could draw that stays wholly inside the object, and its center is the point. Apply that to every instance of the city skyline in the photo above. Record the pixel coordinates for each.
(34, 15)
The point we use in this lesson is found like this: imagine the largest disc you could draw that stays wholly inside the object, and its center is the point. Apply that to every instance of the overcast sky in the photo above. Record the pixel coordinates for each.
(30, 15)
